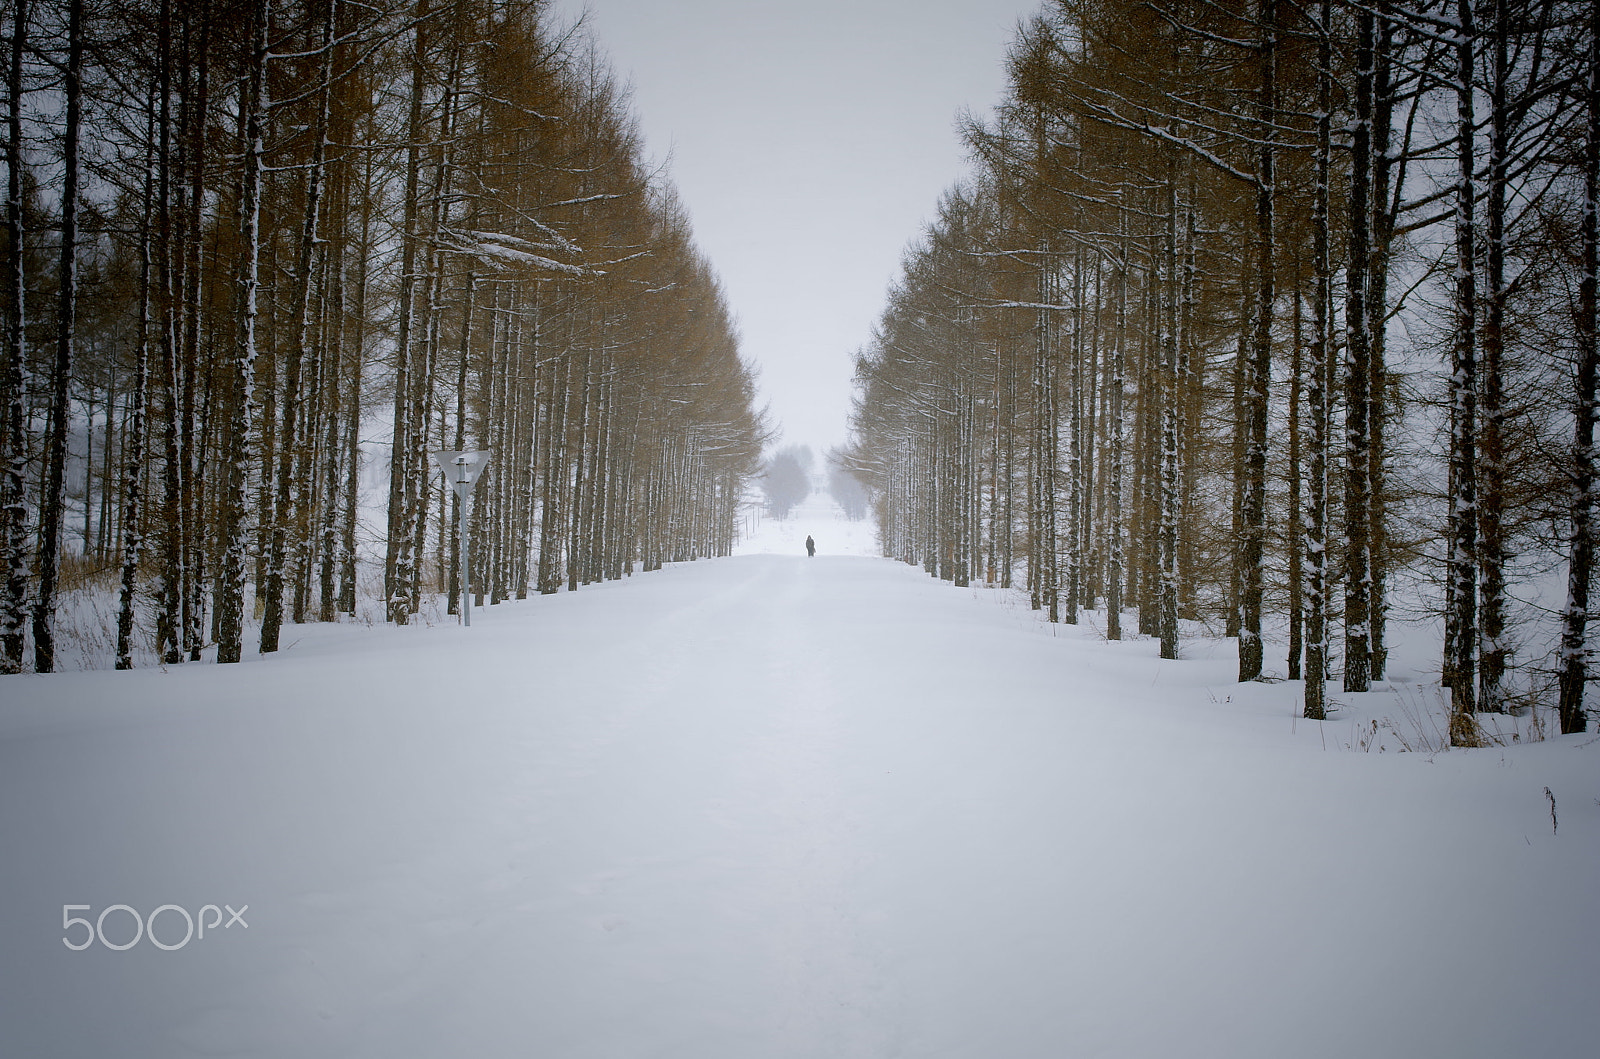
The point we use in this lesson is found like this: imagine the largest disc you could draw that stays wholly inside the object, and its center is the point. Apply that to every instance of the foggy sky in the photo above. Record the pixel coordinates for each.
(810, 142)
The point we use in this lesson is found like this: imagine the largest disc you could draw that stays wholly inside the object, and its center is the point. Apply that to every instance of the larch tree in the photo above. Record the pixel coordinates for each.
(13, 372)
(51, 506)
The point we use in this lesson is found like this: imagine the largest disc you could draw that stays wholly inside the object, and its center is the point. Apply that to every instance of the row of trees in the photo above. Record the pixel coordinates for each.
(786, 479)
(243, 235)
(848, 491)
(1256, 305)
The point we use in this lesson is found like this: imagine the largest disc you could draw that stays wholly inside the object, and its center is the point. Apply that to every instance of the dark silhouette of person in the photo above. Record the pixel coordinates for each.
(811, 547)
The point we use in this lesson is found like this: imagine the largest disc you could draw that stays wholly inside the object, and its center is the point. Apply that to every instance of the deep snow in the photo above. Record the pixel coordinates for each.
(769, 806)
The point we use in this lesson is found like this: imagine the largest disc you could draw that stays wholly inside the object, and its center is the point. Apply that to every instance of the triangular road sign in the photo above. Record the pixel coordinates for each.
(461, 469)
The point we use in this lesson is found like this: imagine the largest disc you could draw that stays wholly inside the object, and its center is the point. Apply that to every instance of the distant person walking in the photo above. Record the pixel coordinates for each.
(811, 547)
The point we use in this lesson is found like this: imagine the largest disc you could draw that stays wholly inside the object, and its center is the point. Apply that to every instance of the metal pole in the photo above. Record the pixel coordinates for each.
(464, 492)
(461, 528)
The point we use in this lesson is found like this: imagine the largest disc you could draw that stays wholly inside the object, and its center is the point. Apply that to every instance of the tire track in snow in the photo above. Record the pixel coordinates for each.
(762, 832)
(691, 835)
(831, 983)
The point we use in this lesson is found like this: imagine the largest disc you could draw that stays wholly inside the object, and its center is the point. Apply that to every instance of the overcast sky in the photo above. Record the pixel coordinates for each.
(809, 140)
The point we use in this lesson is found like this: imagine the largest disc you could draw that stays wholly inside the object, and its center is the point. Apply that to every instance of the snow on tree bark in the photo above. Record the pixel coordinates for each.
(1254, 513)
(1318, 377)
(1573, 658)
(51, 513)
(1358, 375)
(1462, 497)
(238, 442)
(14, 381)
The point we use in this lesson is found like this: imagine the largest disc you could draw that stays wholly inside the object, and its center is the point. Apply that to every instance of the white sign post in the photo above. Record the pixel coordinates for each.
(462, 471)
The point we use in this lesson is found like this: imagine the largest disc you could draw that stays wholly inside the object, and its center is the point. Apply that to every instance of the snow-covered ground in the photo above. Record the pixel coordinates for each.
(768, 806)
(820, 518)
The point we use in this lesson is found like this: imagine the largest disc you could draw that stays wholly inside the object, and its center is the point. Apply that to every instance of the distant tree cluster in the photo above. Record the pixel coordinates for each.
(786, 479)
(848, 491)
(1258, 306)
(243, 235)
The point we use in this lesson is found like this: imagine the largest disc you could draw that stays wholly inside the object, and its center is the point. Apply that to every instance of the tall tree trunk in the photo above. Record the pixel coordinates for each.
(109, 492)
(1492, 469)
(284, 508)
(133, 444)
(171, 577)
(1147, 458)
(1117, 427)
(1377, 300)
(337, 373)
(1260, 367)
(1358, 376)
(13, 384)
(1171, 489)
(1318, 375)
(51, 513)
(194, 74)
(238, 447)
(1075, 453)
(579, 464)
(351, 442)
(1294, 536)
(469, 297)
(88, 472)
(1462, 499)
(1580, 555)
(1240, 434)
(334, 374)
(399, 562)
(1191, 398)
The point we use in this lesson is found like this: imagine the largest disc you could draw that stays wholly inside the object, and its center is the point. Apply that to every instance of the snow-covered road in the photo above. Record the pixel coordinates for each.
(770, 807)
